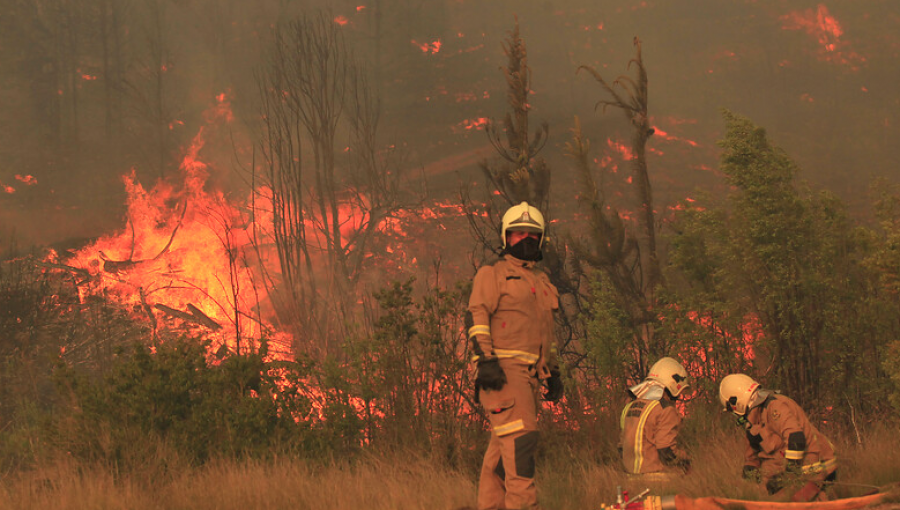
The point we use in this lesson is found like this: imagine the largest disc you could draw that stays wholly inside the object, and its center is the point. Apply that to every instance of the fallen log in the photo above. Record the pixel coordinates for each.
(195, 316)
(203, 318)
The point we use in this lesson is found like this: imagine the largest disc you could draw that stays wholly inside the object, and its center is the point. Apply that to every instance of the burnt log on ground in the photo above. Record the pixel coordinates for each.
(194, 316)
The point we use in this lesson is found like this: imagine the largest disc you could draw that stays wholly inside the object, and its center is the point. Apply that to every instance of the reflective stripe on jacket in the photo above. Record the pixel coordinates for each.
(775, 420)
(647, 426)
(512, 305)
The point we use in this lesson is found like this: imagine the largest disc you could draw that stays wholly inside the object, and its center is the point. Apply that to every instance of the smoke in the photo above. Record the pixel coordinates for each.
(96, 89)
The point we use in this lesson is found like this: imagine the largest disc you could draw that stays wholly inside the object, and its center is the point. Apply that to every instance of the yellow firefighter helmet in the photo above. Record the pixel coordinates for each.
(671, 374)
(524, 218)
(739, 393)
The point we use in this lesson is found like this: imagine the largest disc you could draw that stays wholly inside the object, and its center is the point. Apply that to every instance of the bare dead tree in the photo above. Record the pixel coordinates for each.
(324, 215)
(633, 102)
(630, 261)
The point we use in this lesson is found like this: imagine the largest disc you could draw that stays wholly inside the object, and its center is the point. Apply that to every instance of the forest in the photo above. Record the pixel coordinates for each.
(237, 242)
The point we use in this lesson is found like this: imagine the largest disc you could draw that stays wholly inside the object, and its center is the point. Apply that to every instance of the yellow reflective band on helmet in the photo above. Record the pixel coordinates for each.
(479, 329)
(639, 437)
(818, 467)
(508, 428)
(527, 357)
(793, 454)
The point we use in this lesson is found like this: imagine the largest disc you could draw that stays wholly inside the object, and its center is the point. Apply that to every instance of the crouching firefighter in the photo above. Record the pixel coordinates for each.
(650, 423)
(783, 449)
(510, 330)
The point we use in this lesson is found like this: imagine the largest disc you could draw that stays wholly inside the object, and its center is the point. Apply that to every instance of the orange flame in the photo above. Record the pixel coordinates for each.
(477, 123)
(183, 253)
(428, 47)
(823, 26)
(622, 149)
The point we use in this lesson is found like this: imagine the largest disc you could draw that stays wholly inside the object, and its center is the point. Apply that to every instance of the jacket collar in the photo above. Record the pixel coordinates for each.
(527, 264)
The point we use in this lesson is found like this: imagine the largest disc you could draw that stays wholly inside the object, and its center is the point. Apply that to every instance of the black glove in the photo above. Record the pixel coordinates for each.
(489, 375)
(755, 440)
(554, 387)
(750, 473)
(669, 458)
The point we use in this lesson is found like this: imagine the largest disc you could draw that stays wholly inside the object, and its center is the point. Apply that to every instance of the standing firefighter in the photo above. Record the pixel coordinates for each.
(510, 321)
(650, 422)
(783, 448)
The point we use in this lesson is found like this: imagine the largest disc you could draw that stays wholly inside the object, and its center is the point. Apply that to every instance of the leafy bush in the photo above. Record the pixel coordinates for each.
(236, 407)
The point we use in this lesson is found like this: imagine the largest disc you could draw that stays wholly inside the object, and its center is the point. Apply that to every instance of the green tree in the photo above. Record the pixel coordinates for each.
(778, 255)
(517, 174)
(884, 260)
(408, 371)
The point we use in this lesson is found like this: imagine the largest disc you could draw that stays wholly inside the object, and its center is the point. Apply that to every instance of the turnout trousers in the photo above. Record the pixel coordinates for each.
(507, 473)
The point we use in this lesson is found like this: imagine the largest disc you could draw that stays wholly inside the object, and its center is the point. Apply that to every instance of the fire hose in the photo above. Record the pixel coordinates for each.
(645, 501)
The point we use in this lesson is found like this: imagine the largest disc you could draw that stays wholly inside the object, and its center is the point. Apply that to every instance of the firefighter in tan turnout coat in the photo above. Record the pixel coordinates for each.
(510, 329)
(782, 449)
(649, 424)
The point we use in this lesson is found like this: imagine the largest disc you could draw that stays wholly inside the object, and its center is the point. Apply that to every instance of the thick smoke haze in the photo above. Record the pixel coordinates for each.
(92, 90)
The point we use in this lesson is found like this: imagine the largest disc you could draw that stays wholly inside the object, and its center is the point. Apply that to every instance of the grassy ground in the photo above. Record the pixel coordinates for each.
(393, 482)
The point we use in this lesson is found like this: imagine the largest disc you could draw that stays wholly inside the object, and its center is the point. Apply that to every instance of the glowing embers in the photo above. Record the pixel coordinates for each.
(820, 24)
(620, 148)
(428, 47)
(476, 124)
(27, 180)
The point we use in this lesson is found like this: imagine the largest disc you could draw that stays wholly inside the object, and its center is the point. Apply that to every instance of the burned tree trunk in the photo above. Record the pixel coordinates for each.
(630, 262)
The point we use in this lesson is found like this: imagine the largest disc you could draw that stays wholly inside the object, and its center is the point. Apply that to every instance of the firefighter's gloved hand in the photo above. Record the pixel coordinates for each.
(750, 473)
(752, 432)
(754, 439)
(669, 458)
(489, 375)
(554, 387)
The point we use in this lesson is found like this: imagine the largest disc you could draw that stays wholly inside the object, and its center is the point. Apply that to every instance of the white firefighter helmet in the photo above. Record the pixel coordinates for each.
(523, 218)
(670, 374)
(739, 393)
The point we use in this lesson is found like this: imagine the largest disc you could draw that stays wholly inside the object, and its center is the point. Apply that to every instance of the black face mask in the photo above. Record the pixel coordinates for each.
(528, 249)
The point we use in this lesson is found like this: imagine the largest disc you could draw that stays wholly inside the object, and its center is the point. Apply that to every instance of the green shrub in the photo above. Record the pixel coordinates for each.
(236, 407)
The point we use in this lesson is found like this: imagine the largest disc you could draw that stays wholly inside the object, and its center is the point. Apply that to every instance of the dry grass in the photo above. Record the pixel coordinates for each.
(399, 482)
(288, 483)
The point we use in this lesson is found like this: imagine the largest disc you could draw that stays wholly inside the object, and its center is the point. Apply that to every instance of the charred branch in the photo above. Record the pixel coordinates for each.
(195, 316)
(120, 266)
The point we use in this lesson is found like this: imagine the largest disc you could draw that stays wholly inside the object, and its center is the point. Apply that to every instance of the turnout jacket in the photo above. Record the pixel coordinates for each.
(785, 433)
(648, 426)
(512, 305)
